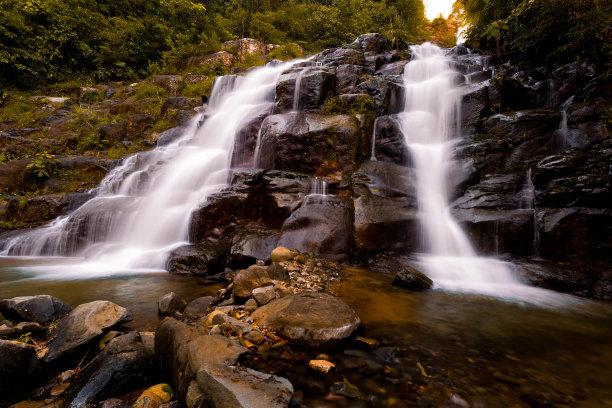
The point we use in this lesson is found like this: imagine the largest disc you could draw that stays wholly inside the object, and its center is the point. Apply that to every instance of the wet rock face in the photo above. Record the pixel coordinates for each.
(315, 84)
(311, 319)
(322, 225)
(311, 143)
(39, 309)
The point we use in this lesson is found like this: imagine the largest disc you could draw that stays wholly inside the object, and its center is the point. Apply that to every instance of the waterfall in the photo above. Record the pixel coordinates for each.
(528, 202)
(142, 209)
(563, 135)
(429, 124)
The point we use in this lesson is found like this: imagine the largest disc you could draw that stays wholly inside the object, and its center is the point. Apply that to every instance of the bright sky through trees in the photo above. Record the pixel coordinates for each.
(433, 8)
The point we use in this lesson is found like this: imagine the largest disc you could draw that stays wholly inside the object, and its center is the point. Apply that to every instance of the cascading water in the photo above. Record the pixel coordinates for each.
(429, 124)
(142, 208)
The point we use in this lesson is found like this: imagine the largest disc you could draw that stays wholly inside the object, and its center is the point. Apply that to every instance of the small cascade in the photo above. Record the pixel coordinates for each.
(296, 91)
(551, 93)
(528, 202)
(142, 209)
(527, 193)
(373, 155)
(562, 137)
(318, 187)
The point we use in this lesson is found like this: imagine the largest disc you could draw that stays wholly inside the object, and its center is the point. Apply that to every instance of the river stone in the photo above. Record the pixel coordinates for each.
(83, 324)
(264, 295)
(198, 306)
(125, 364)
(19, 369)
(171, 303)
(281, 254)
(20, 329)
(235, 387)
(39, 309)
(311, 319)
(255, 276)
(182, 349)
(412, 279)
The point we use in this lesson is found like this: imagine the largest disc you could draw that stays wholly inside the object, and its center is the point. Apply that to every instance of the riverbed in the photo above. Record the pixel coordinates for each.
(441, 346)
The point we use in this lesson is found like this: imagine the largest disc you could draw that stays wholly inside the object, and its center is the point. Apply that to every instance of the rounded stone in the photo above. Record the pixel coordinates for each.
(311, 319)
(281, 254)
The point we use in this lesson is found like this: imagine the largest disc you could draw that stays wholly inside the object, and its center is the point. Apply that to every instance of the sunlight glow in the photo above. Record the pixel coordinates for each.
(433, 8)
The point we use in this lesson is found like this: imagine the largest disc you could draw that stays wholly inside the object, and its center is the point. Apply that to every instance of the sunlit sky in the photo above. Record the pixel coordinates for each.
(433, 8)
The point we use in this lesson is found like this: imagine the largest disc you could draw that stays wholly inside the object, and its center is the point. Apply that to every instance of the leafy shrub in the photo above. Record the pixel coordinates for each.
(286, 52)
(43, 165)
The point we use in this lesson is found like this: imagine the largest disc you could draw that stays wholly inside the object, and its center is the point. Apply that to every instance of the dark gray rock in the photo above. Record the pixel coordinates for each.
(311, 143)
(309, 319)
(322, 225)
(125, 365)
(170, 136)
(84, 324)
(171, 303)
(347, 78)
(21, 329)
(249, 248)
(39, 309)
(412, 279)
(204, 259)
(198, 306)
(385, 209)
(225, 386)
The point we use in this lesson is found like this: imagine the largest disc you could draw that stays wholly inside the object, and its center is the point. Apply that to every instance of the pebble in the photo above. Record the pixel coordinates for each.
(322, 366)
(250, 305)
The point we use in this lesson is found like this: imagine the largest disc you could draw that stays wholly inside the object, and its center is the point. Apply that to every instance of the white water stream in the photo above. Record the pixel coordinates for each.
(430, 124)
(142, 209)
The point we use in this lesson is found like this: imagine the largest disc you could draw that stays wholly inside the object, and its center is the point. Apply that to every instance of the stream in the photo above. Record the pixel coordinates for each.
(484, 350)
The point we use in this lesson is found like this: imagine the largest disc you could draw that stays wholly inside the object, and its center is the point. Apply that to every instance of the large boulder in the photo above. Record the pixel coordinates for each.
(182, 350)
(309, 319)
(244, 47)
(19, 370)
(241, 387)
(202, 259)
(125, 364)
(322, 225)
(250, 247)
(312, 143)
(84, 324)
(39, 309)
(255, 199)
(222, 59)
(171, 303)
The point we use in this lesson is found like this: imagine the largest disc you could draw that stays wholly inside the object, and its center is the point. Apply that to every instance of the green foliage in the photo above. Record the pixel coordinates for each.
(286, 52)
(92, 97)
(147, 91)
(47, 41)
(197, 89)
(43, 165)
(543, 31)
(341, 106)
